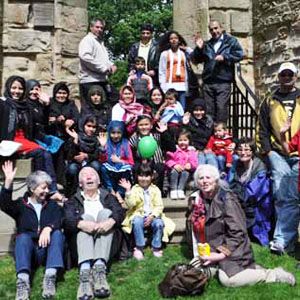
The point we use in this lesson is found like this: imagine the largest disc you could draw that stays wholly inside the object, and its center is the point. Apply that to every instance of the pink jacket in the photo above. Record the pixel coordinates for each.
(182, 157)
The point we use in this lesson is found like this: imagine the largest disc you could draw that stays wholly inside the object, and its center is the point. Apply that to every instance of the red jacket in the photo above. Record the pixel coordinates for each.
(219, 146)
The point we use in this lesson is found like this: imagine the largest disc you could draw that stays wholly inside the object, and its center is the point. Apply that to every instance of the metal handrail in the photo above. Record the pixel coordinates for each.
(243, 116)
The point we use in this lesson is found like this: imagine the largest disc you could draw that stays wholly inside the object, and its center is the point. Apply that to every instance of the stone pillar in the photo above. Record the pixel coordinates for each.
(40, 40)
(276, 39)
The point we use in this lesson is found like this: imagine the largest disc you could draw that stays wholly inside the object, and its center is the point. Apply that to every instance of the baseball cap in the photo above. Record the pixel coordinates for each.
(288, 66)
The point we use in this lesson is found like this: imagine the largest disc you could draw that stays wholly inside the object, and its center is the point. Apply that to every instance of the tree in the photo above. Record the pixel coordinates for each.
(124, 18)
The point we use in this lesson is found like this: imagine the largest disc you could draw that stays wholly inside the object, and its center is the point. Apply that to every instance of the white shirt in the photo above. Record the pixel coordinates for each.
(92, 206)
(37, 208)
(144, 52)
(218, 44)
(147, 206)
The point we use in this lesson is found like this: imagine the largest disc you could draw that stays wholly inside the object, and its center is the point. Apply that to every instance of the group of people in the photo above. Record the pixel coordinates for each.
(113, 195)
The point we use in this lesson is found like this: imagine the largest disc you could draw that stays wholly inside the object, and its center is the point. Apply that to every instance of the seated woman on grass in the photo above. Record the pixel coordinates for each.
(145, 212)
(250, 182)
(217, 219)
(39, 237)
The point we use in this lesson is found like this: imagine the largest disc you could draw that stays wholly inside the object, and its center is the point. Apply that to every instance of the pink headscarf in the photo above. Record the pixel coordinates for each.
(132, 110)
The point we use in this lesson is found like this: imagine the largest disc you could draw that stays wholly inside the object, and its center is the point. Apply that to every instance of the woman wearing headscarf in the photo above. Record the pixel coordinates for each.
(17, 125)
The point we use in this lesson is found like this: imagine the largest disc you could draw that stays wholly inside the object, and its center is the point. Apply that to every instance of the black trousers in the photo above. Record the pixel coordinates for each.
(216, 96)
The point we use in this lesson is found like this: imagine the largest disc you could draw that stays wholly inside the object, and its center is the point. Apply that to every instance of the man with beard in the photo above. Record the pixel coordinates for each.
(275, 110)
(95, 65)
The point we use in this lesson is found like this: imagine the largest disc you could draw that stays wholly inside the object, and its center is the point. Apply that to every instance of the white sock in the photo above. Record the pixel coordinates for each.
(51, 272)
(24, 276)
(85, 266)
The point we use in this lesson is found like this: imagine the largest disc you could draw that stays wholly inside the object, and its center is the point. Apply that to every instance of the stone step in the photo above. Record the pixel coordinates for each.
(175, 209)
(179, 234)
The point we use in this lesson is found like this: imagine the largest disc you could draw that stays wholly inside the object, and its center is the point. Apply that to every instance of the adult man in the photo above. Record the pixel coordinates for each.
(95, 64)
(91, 215)
(219, 55)
(146, 48)
(275, 110)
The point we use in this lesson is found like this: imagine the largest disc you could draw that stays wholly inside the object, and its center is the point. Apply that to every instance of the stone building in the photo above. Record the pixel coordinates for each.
(39, 39)
(268, 30)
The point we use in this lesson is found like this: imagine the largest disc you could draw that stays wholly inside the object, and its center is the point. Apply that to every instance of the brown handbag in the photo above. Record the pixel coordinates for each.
(184, 279)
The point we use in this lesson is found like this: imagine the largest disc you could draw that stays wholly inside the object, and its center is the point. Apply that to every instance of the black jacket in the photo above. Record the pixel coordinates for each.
(25, 216)
(214, 71)
(153, 56)
(74, 209)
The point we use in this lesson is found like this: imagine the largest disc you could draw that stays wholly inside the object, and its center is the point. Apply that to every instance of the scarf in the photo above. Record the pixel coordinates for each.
(245, 174)
(180, 58)
(198, 220)
(132, 109)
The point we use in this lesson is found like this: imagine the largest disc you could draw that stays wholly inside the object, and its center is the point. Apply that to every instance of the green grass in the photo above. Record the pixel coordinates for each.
(133, 280)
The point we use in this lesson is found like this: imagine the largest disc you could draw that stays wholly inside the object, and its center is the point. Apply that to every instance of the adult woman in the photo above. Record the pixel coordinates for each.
(17, 125)
(39, 237)
(249, 181)
(218, 219)
(173, 65)
(127, 110)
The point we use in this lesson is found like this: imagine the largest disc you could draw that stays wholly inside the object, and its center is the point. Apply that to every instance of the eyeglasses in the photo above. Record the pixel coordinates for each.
(286, 74)
(244, 150)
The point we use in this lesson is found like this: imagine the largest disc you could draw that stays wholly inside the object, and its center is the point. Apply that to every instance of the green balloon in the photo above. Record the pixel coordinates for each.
(147, 146)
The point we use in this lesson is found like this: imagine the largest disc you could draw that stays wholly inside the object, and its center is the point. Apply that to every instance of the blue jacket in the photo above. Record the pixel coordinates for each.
(256, 200)
(214, 71)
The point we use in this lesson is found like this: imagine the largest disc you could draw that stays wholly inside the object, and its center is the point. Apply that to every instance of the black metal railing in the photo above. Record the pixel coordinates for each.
(242, 112)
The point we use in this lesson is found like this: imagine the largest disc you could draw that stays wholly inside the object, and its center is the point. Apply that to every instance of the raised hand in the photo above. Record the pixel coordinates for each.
(161, 127)
(186, 118)
(102, 138)
(73, 134)
(9, 173)
(124, 183)
(198, 40)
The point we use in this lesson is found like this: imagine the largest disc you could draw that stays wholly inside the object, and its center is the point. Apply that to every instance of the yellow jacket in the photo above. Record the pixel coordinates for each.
(135, 203)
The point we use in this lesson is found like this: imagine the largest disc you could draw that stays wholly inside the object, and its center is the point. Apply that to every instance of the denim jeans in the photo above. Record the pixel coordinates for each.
(178, 180)
(285, 172)
(208, 158)
(111, 179)
(157, 227)
(42, 160)
(28, 251)
(181, 99)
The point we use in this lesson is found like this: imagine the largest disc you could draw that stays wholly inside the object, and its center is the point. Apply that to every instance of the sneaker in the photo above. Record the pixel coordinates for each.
(101, 287)
(138, 254)
(284, 276)
(276, 248)
(173, 195)
(157, 252)
(181, 194)
(49, 287)
(23, 289)
(85, 291)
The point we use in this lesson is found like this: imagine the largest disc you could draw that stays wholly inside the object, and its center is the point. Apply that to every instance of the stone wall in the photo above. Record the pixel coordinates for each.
(276, 39)
(235, 16)
(40, 40)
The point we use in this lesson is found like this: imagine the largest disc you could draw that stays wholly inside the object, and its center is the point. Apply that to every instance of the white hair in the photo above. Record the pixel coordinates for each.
(80, 175)
(206, 170)
(36, 178)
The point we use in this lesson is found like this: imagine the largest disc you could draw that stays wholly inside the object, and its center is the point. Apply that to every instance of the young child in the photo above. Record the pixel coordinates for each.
(83, 150)
(181, 164)
(172, 112)
(219, 144)
(145, 212)
(116, 157)
(164, 143)
(140, 81)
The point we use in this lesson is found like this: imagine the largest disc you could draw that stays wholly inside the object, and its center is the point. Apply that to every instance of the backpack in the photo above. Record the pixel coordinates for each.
(184, 279)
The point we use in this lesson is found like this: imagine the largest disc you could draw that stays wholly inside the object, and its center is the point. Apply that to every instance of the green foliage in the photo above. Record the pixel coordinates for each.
(120, 77)
(133, 279)
(124, 18)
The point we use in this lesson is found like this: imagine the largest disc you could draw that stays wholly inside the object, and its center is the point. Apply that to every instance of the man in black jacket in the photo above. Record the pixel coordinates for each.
(91, 216)
(148, 49)
(39, 237)
(219, 54)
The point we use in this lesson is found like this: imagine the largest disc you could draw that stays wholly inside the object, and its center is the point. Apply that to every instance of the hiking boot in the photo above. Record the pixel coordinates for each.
(85, 291)
(49, 287)
(23, 289)
(276, 248)
(284, 276)
(101, 287)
